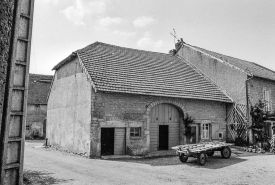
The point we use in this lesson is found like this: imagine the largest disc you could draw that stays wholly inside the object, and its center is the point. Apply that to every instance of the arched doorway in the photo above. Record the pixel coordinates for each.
(164, 127)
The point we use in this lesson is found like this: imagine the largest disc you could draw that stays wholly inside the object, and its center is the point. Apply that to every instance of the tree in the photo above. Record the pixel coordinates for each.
(259, 115)
(187, 121)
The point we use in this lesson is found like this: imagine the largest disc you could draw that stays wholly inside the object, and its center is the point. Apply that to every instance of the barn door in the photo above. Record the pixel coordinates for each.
(164, 114)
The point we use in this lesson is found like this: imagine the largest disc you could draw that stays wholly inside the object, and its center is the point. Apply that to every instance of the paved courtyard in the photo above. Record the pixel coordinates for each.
(46, 166)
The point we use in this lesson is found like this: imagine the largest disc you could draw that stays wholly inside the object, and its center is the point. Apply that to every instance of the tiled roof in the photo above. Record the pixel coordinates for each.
(39, 87)
(118, 69)
(249, 67)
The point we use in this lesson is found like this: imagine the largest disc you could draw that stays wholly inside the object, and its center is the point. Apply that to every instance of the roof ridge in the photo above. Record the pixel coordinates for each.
(138, 50)
(205, 76)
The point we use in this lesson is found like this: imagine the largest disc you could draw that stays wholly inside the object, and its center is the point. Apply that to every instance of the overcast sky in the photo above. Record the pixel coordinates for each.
(243, 29)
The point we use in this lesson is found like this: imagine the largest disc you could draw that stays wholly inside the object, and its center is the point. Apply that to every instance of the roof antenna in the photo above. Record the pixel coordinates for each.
(174, 35)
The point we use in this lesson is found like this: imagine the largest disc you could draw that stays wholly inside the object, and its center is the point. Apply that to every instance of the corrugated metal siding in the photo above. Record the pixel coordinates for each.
(164, 114)
(119, 141)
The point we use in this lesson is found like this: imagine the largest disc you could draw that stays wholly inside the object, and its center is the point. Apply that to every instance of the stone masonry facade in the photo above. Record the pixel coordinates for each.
(6, 17)
(132, 110)
(256, 87)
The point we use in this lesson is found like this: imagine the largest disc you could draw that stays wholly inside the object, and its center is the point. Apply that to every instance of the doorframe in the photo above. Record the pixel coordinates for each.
(150, 106)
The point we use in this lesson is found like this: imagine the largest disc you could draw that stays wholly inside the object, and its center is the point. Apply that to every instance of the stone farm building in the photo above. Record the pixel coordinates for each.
(245, 82)
(39, 87)
(107, 99)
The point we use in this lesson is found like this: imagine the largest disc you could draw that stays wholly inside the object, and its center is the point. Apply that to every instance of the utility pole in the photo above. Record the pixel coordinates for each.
(16, 19)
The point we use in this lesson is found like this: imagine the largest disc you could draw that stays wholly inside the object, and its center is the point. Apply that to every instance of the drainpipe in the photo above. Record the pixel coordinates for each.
(247, 109)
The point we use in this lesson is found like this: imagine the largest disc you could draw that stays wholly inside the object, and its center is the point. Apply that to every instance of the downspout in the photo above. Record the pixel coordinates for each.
(248, 132)
(247, 95)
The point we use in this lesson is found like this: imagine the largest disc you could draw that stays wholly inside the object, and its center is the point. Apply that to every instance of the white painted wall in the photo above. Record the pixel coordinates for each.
(69, 110)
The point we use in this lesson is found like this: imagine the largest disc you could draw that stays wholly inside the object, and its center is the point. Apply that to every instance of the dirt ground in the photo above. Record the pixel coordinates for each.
(46, 166)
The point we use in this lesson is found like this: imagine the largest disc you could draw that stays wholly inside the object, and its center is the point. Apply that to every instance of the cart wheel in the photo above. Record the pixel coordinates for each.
(201, 157)
(211, 153)
(183, 158)
(226, 152)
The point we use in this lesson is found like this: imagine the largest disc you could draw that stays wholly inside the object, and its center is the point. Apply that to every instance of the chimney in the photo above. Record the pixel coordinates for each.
(179, 44)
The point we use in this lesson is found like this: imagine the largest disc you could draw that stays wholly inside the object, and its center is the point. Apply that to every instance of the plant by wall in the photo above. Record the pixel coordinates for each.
(259, 115)
(187, 121)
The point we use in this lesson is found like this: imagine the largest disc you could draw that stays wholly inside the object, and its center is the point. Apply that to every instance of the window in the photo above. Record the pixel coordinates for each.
(135, 131)
(205, 130)
(267, 100)
(27, 127)
(268, 128)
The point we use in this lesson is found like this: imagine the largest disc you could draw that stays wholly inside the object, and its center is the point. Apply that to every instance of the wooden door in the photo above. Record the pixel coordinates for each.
(164, 114)
(119, 141)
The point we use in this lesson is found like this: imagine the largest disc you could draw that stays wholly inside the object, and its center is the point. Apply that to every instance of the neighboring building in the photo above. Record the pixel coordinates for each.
(106, 99)
(39, 87)
(245, 82)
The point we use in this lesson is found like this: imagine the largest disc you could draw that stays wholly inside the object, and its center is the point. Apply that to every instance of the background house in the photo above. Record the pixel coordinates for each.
(39, 87)
(245, 82)
(107, 99)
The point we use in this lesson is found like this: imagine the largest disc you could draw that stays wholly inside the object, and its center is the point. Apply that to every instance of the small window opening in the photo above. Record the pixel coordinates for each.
(135, 131)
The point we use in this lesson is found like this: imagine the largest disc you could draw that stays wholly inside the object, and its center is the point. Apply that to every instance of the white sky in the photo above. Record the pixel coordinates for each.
(243, 29)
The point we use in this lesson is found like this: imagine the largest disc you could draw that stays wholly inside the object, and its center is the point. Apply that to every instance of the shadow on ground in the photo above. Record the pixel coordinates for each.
(40, 178)
(214, 162)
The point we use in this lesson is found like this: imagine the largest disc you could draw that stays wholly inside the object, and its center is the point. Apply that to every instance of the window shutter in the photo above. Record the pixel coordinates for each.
(215, 129)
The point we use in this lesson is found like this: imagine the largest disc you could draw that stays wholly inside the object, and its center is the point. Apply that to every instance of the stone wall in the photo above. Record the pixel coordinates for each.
(131, 110)
(6, 20)
(69, 110)
(228, 78)
(36, 115)
(256, 87)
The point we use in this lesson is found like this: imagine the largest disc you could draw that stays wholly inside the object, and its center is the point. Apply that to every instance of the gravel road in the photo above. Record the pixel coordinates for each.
(44, 166)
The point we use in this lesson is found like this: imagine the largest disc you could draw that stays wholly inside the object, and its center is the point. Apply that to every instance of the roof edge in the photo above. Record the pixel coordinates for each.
(154, 94)
(206, 78)
(86, 72)
(222, 61)
(63, 62)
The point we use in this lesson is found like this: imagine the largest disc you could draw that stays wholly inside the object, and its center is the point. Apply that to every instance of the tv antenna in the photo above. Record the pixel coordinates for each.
(174, 35)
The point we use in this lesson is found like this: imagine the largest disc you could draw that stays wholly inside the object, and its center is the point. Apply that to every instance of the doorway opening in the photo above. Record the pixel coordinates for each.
(107, 141)
(163, 137)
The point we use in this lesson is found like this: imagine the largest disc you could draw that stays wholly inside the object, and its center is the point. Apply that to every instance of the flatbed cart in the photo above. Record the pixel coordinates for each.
(200, 150)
